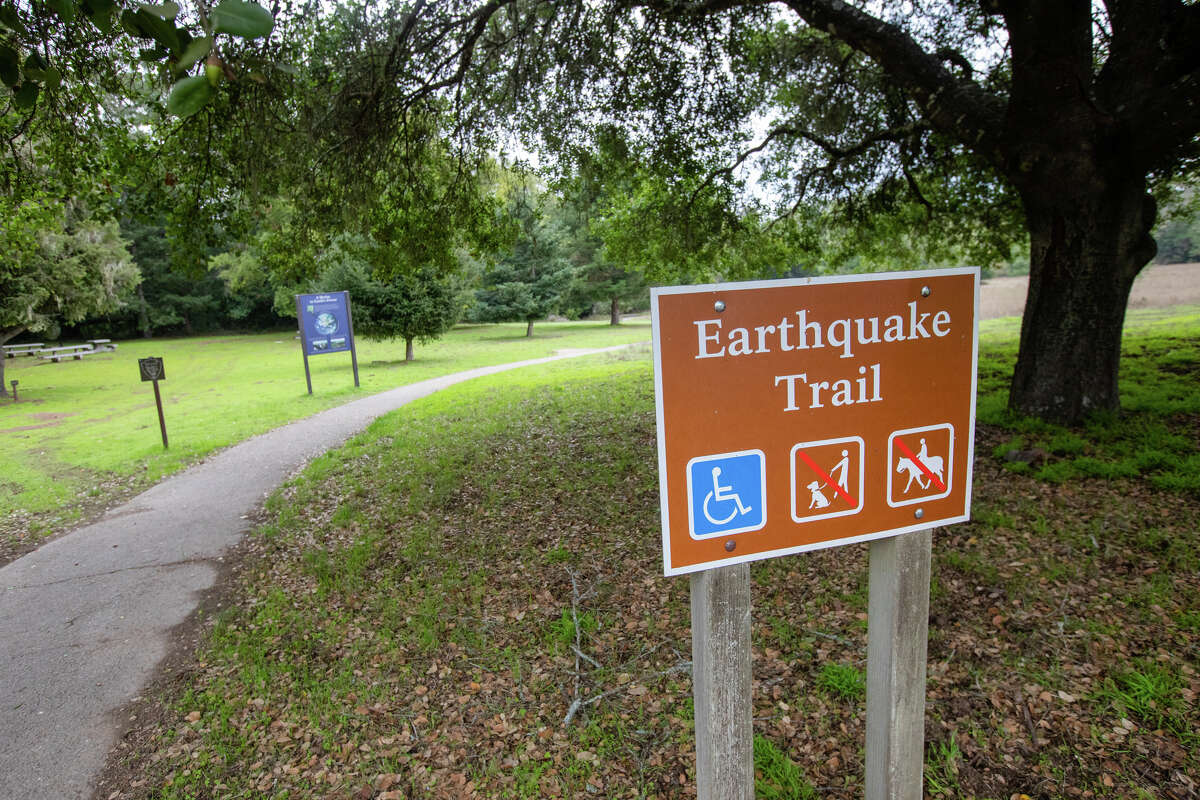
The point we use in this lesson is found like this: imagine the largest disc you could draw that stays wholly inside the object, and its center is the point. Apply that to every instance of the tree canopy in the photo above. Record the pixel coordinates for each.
(952, 127)
(1055, 112)
(59, 267)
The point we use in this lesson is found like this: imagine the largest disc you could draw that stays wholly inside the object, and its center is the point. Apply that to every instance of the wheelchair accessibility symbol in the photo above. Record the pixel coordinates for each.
(727, 493)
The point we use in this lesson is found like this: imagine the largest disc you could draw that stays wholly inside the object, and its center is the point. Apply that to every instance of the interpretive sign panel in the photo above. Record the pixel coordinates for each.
(151, 369)
(326, 326)
(800, 414)
(325, 322)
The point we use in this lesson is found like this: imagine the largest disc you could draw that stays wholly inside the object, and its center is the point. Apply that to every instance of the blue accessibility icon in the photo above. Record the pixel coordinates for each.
(727, 493)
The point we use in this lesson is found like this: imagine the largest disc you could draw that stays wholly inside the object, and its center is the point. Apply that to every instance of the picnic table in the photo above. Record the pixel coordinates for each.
(27, 349)
(76, 351)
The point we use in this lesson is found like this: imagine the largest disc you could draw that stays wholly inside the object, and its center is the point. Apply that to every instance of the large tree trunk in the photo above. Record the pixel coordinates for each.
(615, 313)
(529, 329)
(408, 348)
(1089, 238)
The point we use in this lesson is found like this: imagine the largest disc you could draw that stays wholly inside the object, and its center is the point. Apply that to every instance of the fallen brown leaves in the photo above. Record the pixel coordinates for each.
(480, 614)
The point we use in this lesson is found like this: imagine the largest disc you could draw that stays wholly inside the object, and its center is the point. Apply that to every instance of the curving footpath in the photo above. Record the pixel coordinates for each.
(86, 619)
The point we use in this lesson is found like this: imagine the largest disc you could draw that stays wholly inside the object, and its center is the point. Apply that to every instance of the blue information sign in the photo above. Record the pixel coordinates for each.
(325, 327)
(325, 322)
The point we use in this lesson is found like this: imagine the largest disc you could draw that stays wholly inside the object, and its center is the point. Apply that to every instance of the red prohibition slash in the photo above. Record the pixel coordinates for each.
(828, 480)
(912, 457)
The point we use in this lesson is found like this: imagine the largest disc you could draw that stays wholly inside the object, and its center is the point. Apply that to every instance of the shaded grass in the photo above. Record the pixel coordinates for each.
(1154, 437)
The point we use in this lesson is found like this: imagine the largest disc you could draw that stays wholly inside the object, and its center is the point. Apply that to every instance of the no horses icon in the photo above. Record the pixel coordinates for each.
(920, 464)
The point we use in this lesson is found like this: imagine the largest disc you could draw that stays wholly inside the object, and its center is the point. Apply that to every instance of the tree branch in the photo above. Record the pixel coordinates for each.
(1168, 119)
(831, 148)
(956, 106)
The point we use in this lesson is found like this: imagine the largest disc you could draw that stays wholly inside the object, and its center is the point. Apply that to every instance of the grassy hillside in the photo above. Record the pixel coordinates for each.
(467, 601)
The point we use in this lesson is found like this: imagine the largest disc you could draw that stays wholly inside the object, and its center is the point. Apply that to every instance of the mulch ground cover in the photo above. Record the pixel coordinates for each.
(455, 609)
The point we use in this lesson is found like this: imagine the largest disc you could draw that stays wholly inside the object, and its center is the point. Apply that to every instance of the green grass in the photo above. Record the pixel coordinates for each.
(298, 654)
(776, 777)
(1152, 438)
(1152, 694)
(843, 681)
(87, 429)
(414, 596)
(941, 768)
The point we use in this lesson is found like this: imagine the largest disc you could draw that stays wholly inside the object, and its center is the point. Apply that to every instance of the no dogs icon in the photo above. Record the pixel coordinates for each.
(827, 478)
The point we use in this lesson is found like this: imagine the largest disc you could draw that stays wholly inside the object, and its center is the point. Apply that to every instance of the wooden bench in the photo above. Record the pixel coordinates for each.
(14, 350)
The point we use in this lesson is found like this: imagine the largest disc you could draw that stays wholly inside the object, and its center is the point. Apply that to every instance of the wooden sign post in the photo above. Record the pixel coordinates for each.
(151, 369)
(721, 681)
(802, 414)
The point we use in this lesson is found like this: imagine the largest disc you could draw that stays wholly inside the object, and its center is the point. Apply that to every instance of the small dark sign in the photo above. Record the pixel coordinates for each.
(151, 369)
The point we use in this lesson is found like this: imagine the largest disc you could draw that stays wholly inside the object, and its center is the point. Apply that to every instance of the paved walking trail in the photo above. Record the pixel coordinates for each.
(85, 620)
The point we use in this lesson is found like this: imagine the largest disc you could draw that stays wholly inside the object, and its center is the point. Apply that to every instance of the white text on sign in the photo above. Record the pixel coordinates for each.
(805, 334)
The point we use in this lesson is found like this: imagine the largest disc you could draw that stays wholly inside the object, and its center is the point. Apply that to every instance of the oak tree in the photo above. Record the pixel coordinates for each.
(1072, 111)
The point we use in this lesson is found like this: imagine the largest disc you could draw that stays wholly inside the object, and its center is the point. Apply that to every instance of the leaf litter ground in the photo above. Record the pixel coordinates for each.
(467, 602)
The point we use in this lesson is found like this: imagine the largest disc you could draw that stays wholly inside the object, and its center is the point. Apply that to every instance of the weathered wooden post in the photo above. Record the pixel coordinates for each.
(897, 636)
(721, 683)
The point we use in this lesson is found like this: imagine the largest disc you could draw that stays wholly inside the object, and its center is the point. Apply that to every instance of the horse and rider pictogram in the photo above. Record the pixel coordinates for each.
(920, 465)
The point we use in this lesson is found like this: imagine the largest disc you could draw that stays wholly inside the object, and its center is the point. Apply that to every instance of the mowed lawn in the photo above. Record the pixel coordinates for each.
(85, 434)
(467, 601)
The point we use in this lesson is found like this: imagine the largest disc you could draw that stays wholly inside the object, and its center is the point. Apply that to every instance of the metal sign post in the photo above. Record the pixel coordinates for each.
(326, 326)
(151, 369)
(303, 343)
(802, 414)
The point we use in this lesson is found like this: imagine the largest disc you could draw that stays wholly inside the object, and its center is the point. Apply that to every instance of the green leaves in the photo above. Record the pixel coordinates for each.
(10, 19)
(10, 69)
(64, 8)
(196, 50)
(38, 69)
(235, 17)
(25, 96)
(100, 12)
(166, 11)
(240, 18)
(189, 96)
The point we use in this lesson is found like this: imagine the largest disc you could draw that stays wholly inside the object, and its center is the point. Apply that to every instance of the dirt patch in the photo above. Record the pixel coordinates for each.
(1158, 286)
(28, 427)
(51, 421)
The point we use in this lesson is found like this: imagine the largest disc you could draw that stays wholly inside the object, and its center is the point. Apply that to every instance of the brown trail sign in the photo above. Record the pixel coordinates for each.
(753, 380)
(800, 414)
